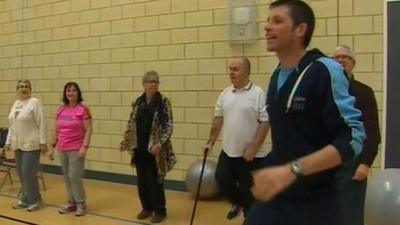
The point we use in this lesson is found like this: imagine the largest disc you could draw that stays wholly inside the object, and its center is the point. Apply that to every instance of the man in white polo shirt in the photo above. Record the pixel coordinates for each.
(240, 110)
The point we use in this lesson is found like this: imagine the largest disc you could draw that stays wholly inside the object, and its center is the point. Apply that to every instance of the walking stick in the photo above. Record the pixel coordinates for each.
(199, 186)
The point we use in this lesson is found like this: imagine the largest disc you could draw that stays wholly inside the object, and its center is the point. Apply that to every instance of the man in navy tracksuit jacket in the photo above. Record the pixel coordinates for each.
(314, 125)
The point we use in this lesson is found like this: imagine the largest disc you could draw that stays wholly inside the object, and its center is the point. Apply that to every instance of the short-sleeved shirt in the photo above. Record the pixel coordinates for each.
(242, 111)
(70, 126)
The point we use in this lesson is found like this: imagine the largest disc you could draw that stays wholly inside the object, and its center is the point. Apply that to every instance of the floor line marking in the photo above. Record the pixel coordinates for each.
(89, 213)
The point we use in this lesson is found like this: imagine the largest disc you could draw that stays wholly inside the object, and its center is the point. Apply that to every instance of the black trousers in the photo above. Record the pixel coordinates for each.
(150, 187)
(234, 179)
(351, 198)
(285, 211)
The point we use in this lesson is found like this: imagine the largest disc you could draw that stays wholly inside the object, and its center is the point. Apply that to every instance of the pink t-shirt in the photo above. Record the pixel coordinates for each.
(70, 126)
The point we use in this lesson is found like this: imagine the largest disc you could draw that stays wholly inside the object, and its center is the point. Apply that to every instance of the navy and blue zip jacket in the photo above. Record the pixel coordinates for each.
(311, 112)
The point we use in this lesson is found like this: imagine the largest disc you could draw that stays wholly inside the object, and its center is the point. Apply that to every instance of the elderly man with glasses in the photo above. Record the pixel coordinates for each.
(352, 177)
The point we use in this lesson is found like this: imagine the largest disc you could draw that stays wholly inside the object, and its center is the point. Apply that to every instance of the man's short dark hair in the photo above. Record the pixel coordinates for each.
(300, 12)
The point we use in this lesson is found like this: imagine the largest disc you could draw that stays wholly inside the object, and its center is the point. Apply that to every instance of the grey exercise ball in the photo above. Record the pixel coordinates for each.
(382, 206)
(209, 187)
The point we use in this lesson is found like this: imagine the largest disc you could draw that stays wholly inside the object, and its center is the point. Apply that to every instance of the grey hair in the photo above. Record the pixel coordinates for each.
(150, 73)
(247, 64)
(24, 81)
(347, 50)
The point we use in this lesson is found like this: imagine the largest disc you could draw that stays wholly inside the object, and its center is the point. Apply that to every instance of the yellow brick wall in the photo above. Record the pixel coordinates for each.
(107, 45)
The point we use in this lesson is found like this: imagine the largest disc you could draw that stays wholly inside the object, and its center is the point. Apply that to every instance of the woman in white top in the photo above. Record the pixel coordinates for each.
(27, 137)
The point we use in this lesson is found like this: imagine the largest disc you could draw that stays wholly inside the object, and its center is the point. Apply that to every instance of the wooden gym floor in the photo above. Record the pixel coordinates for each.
(108, 204)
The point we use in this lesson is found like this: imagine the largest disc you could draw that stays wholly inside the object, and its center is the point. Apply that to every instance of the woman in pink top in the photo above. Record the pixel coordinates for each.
(72, 136)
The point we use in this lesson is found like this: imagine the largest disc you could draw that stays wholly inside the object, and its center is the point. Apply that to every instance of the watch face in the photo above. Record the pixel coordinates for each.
(297, 169)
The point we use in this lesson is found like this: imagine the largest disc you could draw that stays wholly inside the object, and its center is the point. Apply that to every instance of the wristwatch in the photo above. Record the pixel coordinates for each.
(296, 168)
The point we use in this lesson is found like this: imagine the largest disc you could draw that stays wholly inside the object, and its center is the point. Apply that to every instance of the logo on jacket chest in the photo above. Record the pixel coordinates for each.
(299, 103)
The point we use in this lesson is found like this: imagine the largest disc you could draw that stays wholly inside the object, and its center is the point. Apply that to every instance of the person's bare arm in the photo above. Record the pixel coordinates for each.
(86, 140)
(271, 181)
(214, 132)
(258, 140)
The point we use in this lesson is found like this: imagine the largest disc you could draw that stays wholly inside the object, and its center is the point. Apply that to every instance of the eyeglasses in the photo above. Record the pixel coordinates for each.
(342, 57)
(152, 81)
(23, 86)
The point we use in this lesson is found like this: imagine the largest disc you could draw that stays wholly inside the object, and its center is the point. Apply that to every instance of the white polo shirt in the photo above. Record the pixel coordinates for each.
(242, 111)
